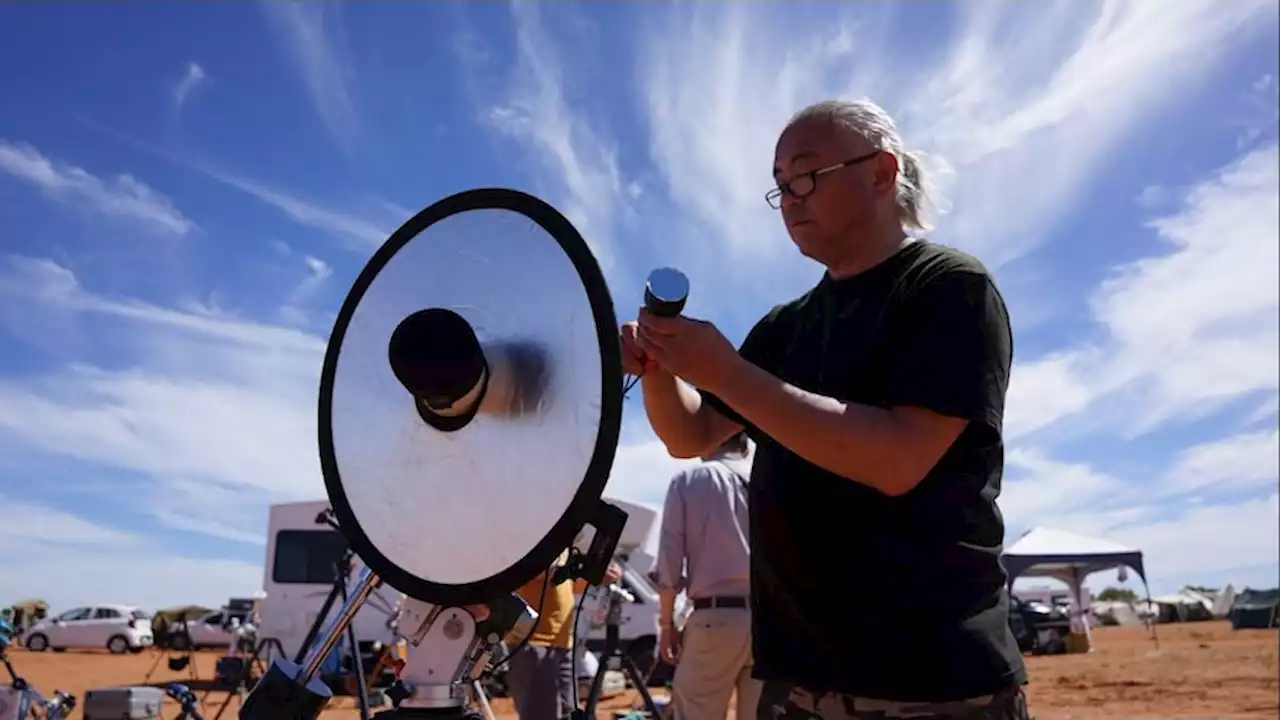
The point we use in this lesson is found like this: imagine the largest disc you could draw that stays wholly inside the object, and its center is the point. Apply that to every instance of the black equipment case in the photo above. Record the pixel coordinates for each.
(123, 703)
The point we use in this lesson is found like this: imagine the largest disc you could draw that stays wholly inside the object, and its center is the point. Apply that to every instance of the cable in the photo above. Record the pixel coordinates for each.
(573, 644)
(546, 586)
(628, 384)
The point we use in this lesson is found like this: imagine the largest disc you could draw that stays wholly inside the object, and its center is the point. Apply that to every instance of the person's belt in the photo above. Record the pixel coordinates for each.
(719, 602)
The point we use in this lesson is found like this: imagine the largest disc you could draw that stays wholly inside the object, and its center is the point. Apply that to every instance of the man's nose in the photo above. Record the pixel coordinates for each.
(789, 201)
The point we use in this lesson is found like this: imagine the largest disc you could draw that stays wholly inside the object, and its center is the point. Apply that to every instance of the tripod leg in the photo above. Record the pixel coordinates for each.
(597, 682)
(641, 683)
(483, 698)
(242, 682)
(159, 656)
(362, 691)
(338, 587)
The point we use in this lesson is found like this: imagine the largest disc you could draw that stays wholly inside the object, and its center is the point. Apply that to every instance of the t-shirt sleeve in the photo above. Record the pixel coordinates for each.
(953, 350)
(755, 350)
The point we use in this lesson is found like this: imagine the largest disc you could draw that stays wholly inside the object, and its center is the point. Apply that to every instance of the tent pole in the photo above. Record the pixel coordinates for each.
(1154, 637)
(1078, 590)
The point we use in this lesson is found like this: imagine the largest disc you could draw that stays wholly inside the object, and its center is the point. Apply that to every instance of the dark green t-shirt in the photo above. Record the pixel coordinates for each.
(853, 591)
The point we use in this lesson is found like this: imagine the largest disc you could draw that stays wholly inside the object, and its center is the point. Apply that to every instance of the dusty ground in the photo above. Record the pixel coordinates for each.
(1201, 670)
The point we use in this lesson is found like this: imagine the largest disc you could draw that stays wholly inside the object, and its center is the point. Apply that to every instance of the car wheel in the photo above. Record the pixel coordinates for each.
(118, 645)
(37, 643)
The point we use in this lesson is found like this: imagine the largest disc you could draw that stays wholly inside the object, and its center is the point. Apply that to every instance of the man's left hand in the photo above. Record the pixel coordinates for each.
(612, 574)
(694, 350)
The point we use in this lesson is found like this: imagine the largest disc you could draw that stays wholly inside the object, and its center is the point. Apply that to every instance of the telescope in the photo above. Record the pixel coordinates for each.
(470, 403)
(19, 700)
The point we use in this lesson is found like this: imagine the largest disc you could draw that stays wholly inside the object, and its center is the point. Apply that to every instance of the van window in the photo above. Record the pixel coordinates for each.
(307, 556)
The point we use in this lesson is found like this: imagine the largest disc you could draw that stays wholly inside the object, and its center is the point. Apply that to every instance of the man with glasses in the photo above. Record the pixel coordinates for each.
(876, 402)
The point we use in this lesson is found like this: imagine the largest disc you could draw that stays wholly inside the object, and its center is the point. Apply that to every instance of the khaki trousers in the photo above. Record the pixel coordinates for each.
(714, 663)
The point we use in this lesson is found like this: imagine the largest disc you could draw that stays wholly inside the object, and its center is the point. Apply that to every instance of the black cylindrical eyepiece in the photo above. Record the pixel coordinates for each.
(436, 356)
(665, 292)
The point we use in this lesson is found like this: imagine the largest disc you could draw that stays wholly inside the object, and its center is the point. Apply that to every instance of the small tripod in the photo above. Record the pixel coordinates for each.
(268, 645)
(613, 658)
(176, 663)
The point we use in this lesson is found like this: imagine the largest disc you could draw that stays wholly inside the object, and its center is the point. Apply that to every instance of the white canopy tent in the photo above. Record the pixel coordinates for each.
(1223, 601)
(1069, 558)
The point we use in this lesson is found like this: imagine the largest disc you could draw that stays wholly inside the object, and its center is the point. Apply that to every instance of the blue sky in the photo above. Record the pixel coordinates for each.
(188, 191)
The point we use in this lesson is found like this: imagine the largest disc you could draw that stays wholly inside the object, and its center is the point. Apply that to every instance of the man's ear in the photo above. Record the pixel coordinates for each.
(886, 172)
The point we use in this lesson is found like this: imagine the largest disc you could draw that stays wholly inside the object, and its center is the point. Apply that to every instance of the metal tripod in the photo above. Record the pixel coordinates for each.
(162, 654)
(270, 646)
(612, 658)
(339, 590)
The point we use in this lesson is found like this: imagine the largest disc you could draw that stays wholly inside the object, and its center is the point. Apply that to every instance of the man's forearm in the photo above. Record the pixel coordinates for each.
(672, 408)
(666, 606)
(858, 442)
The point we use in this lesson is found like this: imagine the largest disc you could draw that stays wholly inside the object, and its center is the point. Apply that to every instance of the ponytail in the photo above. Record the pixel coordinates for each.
(912, 193)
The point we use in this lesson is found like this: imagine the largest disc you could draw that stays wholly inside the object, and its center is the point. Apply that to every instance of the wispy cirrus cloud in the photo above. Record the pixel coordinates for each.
(578, 164)
(191, 80)
(357, 231)
(121, 196)
(309, 32)
(46, 282)
(1187, 331)
(1012, 103)
(1239, 462)
(68, 560)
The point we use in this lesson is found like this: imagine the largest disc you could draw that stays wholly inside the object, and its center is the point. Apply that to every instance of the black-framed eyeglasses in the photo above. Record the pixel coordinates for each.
(805, 183)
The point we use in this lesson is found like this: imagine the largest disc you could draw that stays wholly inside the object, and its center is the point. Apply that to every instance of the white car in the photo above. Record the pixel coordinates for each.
(208, 631)
(118, 628)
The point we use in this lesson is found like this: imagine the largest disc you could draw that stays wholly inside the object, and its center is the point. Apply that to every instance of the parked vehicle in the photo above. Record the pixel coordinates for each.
(299, 574)
(1039, 628)
(638, 632)
(212, 630)
(118, 628)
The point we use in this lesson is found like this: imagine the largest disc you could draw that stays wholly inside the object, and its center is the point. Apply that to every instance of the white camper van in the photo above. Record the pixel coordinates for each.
(301, 554)
(638, 633)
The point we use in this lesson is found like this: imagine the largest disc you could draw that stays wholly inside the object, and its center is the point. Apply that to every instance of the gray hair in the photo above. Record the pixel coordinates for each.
(869, 120)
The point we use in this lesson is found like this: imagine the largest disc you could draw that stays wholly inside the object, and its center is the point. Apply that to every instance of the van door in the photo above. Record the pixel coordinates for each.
(302, 575)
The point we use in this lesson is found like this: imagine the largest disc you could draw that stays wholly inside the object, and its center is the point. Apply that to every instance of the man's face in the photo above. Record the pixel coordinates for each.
(843, 201)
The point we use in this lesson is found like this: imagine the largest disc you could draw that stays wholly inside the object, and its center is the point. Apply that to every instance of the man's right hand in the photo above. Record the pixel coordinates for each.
(669, 644)
(633, 357)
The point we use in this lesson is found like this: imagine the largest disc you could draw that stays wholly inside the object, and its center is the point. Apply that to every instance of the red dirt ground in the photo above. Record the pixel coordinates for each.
(1201, 670)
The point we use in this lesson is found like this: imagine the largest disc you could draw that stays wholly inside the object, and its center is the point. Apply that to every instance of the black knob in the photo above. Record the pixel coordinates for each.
(665, 292)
